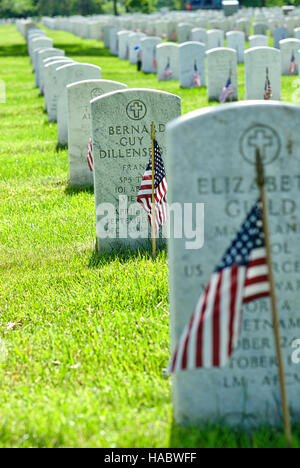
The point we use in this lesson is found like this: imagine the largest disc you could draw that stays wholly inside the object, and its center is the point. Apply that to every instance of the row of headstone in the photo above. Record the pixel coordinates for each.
(218, 170)
(186, 62)
(179, 26)
(118, 125)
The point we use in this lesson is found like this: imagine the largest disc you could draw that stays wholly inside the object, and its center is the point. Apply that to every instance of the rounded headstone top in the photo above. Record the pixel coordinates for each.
(229, 108)
(96, 81)
(189, 43)
(136, 91)
(262, 48)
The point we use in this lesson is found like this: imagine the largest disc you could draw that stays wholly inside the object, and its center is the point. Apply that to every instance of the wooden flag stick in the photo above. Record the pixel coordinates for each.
(153, 192)
(285, 408)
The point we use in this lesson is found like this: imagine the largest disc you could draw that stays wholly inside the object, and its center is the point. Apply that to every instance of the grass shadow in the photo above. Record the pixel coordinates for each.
(74, 190)
(123, 255)
(84, 50)
(60, 147)
(222, 436)
(14, 50)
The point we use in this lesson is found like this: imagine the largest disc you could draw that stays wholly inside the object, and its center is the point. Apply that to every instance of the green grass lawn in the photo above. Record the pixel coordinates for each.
(86, 355)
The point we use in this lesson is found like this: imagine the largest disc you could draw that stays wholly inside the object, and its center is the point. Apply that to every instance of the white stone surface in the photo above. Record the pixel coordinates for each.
(121, 123)
(134, 40)
(218, 170)
(39, 43)
(191, 54)
(148, 46)
(289, 47)
(67, 74)
(113, 41)
(184, 32)
(50, 86)
(79, 125)
(257, 61)
(123, 51)
(221, 63)
(236, 41)
(199, 35)
(42, 55)
(167, 53)
(215, 38)
(260, 28)
(280, 34)
(259, 40)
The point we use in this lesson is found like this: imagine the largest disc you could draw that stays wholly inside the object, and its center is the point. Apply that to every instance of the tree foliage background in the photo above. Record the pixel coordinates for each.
(23, 8)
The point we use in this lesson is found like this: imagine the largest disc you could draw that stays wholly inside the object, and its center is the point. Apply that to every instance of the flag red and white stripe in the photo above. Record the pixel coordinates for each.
(89, 157)
(214, 328)
(160, 190)
(226, 91)
(196, 82)
(293, 65)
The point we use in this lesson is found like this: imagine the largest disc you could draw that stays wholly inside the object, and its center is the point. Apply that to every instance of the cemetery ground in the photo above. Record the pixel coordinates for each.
(84, 339)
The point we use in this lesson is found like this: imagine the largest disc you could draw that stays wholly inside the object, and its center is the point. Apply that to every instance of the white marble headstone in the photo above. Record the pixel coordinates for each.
(149, 60)
(50, 86)
(221, 64)
(215, 38)
(167, 55)
(199, 35)
(42, 55)
(218, 170)
(260, 28)
(280, 34)
(79, 125)
(40, 43)
(134, 41)
(259, 61)
(121, 123)
(123, 50)
(259, 40)
(236, 41)
(67, 74)
(184, 32)
(191, 61)
(289, 48)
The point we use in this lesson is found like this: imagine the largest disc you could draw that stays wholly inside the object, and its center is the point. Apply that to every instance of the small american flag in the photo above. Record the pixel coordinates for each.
(242, 276)
(226, 91)
(293, 65)
(89, 157)
(160, 190)
(268, 90)
(167, 72)
(196, 82)
(154, 61)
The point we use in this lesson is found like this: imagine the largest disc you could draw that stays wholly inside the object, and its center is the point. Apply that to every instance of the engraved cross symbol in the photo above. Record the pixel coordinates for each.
(261, 141)
(136, 108)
